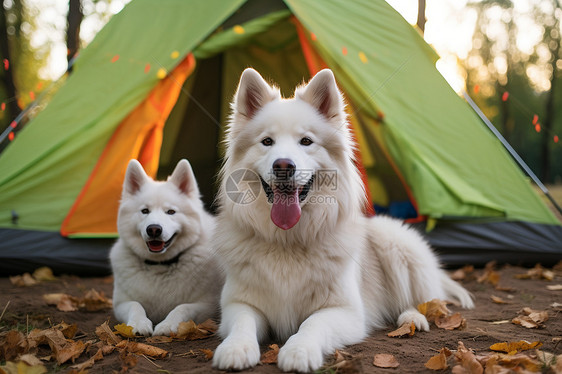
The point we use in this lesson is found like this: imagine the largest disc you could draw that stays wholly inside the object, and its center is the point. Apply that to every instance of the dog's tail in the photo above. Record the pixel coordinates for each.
(455, 291)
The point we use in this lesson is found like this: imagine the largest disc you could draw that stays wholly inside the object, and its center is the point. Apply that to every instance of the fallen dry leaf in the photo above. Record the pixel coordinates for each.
(270, 357)
(530, 318)
(69, 331)
(63, 349)
(124, 330)
(519, 361)
(462, 273)
(498, 300)
(344, 363)
(538, 272)
(70, 351)
(30, 359)
(105, 334)
(105, 348)
(514, 347)
(548, 360)
(467, 361)
(554, 287)
(383, 360)
(24, 280)
(43, 274)
(505, 289)
(209, 354)
(190, 331)
(452, 322)
(489, 276)
(94, 301)
(434, 309)
(63, 302)
(12, 345)
(128, 360)
(21, 367)
(89, 362)
(159, 339)
(407, 329)
(142, 349)
(439, 361)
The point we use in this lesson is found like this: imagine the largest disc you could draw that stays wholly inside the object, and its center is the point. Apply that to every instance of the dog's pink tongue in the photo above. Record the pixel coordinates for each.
(286, 210)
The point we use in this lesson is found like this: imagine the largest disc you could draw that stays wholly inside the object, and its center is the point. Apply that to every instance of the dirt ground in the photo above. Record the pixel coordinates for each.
(24, 309)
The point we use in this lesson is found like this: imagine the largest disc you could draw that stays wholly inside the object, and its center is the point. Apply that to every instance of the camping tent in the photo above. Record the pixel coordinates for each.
(155, 85)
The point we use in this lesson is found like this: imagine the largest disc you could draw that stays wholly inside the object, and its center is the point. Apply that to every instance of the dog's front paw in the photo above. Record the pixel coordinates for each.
(300, 355)
(142, 326)
(237, 353)
(412, 315)
(165, 328)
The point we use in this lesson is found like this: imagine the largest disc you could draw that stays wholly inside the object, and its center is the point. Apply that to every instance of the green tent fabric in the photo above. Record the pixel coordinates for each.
(42, 175)
(429, 130)
(421, 141)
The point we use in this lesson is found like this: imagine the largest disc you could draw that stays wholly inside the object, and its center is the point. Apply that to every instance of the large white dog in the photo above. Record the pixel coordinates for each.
(162, 263)
(303, 263)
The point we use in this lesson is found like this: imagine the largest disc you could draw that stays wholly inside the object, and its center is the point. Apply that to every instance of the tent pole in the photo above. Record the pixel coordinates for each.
(511, 151)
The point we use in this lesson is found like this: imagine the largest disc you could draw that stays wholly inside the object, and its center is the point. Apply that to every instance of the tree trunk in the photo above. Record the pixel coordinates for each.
(74, 19)
(7, 76)
(421, 15)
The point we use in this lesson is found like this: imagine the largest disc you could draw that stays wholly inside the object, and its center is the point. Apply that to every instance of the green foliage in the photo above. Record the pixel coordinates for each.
(497, 64)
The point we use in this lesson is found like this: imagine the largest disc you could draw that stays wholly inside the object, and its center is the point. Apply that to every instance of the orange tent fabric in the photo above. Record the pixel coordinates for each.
(138, 136)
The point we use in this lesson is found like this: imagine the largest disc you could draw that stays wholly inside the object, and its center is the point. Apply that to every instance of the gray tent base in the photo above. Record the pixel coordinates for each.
(24, 251)
(457, 244)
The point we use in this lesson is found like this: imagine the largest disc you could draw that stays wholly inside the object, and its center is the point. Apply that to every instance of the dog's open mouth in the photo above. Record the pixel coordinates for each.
(158, 246)
(285, 198)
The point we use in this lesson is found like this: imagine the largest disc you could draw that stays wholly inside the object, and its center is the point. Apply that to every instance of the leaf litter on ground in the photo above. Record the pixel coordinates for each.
(538, 272)
(530, 318)
(91, 301)
(385, 360)
(436, 311)
(406, 329)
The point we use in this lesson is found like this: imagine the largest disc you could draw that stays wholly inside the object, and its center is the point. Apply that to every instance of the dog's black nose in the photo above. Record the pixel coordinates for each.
(284, 168)
(154, 231)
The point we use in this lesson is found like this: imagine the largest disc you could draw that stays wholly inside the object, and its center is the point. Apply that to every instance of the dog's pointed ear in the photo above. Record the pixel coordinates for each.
(184, 179)
(135, 177)
(323, 94)
(252, 94)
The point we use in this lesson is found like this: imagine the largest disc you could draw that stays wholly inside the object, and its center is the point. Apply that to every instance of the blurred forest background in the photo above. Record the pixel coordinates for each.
(515, 82)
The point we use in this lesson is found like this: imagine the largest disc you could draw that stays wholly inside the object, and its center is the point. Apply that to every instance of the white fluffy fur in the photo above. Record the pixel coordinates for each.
(163, 295)
(334, 276)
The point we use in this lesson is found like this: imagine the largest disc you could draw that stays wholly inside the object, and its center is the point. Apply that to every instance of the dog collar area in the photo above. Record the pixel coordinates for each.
(165, 263)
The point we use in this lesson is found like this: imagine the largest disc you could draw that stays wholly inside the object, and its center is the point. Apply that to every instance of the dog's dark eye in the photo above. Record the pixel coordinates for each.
(267, 141)
(306, 141)
(145, 211)
(170, 212)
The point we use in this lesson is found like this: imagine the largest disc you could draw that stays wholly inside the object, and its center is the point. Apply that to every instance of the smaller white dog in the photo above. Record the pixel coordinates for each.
(162, 263)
